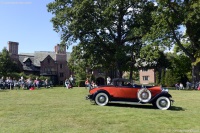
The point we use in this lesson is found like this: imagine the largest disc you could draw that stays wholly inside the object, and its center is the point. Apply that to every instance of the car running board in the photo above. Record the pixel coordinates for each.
(121, 102)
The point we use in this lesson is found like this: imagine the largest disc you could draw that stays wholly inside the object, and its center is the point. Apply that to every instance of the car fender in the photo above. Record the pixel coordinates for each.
(163, 93)
(104, 91)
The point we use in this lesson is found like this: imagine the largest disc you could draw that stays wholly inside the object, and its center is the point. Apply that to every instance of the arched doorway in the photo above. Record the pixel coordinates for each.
(100, 81)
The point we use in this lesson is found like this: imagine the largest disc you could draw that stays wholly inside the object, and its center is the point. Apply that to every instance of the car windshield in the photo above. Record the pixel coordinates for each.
(122, 82)
(126, 82)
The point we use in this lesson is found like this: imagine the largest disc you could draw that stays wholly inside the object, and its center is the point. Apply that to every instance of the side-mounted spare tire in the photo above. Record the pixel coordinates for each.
(144, 95)
(101, 99)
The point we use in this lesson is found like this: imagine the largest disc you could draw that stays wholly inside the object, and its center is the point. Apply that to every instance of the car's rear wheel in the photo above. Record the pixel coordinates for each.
(101, 99)
(163, 103)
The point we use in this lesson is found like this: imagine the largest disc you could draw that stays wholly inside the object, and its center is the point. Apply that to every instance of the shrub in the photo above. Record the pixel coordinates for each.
(80, 83)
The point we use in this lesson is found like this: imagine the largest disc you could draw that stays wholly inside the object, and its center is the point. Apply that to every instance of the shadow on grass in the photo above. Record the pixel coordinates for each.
(143, 106)
(175, 108)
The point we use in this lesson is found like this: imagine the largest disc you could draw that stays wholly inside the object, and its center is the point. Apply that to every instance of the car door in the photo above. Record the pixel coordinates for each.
(125, 92)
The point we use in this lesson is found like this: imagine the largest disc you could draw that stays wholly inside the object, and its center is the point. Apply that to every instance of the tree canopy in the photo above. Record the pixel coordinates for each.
(6, 65)
(116, 33)
(178, 23)
(103, 27)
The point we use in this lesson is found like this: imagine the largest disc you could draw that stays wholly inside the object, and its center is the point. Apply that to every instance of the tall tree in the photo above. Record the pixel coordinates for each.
(77, 64)
(162, 79)
(171, 18)
(180, 66)
(6, 65)
(103, 27)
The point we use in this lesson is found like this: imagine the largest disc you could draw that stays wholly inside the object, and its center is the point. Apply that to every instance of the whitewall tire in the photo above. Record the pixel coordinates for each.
(101, 99)
(163, 103)
(144, 95)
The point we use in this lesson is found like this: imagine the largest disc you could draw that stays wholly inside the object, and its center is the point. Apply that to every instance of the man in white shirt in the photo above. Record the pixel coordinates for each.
(108, 80)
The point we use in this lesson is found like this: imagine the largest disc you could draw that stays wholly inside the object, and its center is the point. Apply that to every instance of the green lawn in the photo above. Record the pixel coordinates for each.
(59, 110)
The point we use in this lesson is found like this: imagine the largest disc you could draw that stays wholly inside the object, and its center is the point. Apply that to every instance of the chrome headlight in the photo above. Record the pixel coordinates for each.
(165, 89)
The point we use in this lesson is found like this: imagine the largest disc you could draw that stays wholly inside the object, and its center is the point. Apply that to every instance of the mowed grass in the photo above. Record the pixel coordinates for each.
(58, 110)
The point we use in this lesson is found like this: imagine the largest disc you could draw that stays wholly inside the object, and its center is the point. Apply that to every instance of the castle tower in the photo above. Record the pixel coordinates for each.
(13, 50)
(61, 62)
(60, 52)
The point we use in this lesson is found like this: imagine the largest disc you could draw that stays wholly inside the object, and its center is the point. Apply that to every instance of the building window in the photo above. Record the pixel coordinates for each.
(61, 66)
(145, 78)
(61, 75)
(144, 69)
(48, 70)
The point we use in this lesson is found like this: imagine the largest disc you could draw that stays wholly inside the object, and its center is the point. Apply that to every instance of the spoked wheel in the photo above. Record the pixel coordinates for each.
(101, 99)
(163, 103)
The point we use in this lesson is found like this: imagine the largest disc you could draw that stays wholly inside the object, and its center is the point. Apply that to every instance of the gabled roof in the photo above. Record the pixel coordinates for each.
(41, 55)
(47, 57)
(26, 59)
(23, 58)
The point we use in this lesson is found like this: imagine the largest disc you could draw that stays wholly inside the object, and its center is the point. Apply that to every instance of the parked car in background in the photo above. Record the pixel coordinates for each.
(122, 90)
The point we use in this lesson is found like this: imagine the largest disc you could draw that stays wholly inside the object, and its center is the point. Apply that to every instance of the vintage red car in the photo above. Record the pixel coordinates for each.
(122, 90)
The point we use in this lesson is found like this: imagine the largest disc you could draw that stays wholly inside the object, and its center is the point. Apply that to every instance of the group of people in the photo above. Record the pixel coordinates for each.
(179, 86)
(70, 81)
(7, 83)
(195, 86)
(92, 84)
(11, 83)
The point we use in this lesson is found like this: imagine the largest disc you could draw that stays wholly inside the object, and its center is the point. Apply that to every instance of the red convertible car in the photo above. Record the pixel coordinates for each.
(122, 90)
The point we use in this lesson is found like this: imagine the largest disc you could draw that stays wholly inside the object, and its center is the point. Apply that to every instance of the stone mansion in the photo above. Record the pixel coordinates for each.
(43, 63)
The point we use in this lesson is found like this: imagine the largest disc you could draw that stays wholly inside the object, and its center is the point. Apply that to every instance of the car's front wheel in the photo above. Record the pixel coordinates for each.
(101, 99)
(163, 103)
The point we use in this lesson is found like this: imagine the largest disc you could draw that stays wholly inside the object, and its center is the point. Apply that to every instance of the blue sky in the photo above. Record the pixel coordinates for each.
(28, 23)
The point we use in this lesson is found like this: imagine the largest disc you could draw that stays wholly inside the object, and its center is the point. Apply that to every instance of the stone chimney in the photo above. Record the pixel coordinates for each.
(13, 51)
(60, 49)
(13, 48)
(60, 52)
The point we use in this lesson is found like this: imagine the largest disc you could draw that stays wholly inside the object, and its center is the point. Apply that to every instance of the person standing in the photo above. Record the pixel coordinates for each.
(22, 82)
(87, 83)
(2, 83)
(108, 80)
(181, 86)
(36, 83)
(71, 79)
(188, 85)
(2, 79)
(29, 83)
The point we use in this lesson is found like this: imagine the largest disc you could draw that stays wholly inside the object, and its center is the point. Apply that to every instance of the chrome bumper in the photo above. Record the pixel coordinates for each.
(89, 97)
